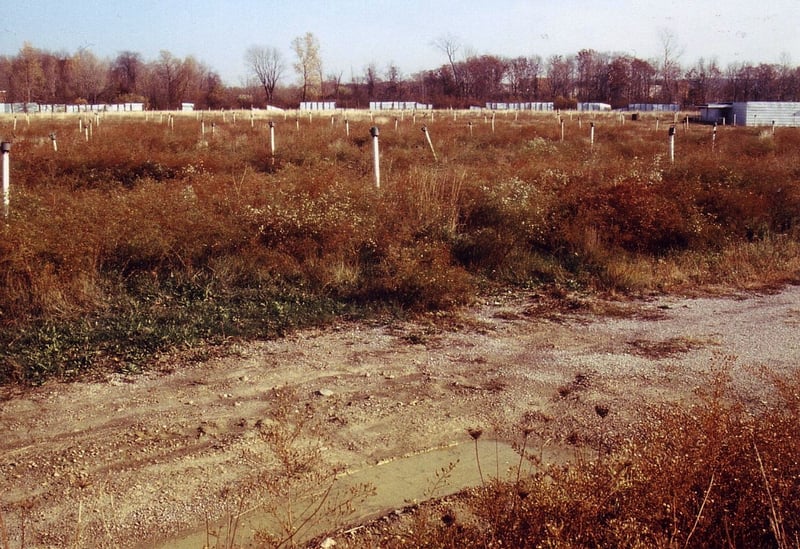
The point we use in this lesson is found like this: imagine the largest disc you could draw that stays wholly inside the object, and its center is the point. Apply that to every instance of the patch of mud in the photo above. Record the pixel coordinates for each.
(134, 460)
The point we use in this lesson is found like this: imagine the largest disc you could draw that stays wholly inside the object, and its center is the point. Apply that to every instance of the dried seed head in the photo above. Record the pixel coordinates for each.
(475, 433)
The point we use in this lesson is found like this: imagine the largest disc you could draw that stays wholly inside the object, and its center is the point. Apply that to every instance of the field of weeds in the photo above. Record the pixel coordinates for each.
(132, 234)
(129, 236)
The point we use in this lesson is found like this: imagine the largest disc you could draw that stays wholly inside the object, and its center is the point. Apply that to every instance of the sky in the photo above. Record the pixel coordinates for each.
(354, 33)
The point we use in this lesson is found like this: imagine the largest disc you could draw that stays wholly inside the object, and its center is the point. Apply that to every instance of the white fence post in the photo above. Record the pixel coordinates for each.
(272, 137)
(5, 147)
(375, 132)
(672, 143)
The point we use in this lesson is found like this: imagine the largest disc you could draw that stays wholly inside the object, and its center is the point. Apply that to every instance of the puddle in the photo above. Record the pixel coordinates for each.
(397, 483)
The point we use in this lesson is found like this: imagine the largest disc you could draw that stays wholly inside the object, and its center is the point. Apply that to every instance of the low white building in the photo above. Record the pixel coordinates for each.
(752, 113)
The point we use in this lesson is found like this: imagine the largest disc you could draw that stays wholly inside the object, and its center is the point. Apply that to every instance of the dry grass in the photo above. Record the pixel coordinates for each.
(711, 474)
(161, 236)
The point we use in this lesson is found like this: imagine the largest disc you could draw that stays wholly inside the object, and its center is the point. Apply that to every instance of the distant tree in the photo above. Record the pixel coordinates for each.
(561, 76)
(335, 79)
(483, 77)
(670, 68)
(125, 74)
(267, 66)
(523, 77)
(393, 79)
(89, 75)
(449, 45)
(308, 65)
(27, 80)
(371, 80)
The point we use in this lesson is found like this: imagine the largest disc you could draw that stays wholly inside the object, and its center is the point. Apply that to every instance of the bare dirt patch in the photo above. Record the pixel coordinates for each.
(137, 461)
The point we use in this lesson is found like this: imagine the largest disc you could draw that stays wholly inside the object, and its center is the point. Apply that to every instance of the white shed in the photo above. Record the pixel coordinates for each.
(766, 113)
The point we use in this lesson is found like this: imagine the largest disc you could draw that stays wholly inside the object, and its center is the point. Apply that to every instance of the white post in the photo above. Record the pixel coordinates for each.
(492, 121)
(347, 127)
(395, 124)
(53, 139)
(470, 128)
(714, 137)
(430, 143)
(203, 128)
(672, 143)
(375, 132)
(15, 122)
(272, 137)
(562, 129)
(773, 127)
(591, 134)
(5, 147)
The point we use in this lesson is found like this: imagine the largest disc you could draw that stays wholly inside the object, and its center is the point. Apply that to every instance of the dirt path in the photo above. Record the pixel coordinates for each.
(137, 461)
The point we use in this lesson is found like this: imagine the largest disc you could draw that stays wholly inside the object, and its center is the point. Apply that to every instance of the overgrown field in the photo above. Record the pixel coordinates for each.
(146, 234)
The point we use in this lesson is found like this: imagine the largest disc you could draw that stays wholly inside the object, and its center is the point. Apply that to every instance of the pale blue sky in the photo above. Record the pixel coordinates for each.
(353, 33)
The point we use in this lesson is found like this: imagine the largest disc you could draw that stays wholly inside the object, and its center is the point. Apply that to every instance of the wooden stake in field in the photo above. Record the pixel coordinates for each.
(375, 132)
(773, 128)
(5, 148)
(53, 139)
(470, 127)
(591, 134)
(492, 121)
(672, 143)
(430, 143)
(347, 127)
(562, 129)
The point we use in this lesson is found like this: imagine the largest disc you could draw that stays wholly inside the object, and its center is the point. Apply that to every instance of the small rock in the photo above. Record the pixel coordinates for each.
(325, 392)
(327, 543)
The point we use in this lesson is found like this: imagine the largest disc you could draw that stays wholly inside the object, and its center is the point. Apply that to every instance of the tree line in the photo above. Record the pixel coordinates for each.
(465, 79)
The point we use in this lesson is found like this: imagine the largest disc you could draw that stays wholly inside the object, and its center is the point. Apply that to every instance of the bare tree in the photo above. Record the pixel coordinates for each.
(267, 65)
(449, 45)
(308, 65)
(670, 65)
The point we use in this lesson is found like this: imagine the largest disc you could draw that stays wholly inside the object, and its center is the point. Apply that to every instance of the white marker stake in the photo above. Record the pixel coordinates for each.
(430, 143)
(5, 147)
(591, 134)
(492, 122)
(773, 127)
(272, 137)
(347, 127)
(470, 128)
(562, 130)
(15, 123)
(53, 139)
(375, 132)
(672, 143)
(714, 137)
